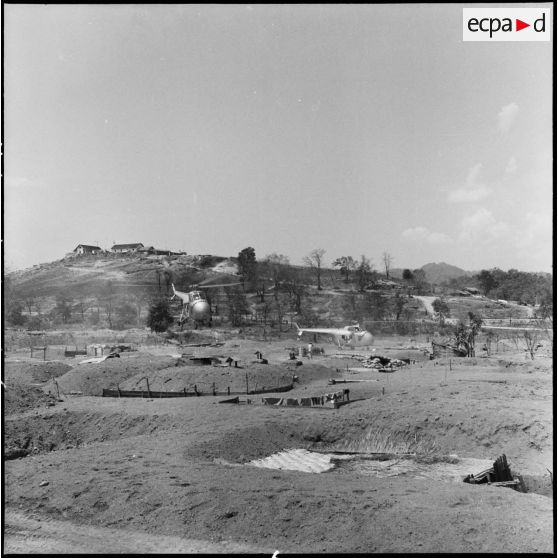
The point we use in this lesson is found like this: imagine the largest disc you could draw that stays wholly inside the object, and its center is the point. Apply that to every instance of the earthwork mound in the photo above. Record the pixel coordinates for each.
(29, 372)
(91, 378)
(175, 379)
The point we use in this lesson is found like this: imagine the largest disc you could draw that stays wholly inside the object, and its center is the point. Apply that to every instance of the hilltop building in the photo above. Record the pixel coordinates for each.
(126, 248)
(151, 251)
(83, 249)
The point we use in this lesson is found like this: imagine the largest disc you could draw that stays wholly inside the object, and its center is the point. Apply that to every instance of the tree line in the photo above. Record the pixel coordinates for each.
(519, 286)
(271, 290)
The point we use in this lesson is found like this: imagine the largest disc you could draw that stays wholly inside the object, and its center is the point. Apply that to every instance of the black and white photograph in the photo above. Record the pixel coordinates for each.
(278, 278)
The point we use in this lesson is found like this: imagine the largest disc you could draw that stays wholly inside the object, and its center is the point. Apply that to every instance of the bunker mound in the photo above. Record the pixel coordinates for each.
(29, 372)
(207, 377)
(90, 379)
(18, 398)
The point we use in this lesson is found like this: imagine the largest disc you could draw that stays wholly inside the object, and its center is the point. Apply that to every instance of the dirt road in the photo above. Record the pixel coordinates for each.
(26, 535)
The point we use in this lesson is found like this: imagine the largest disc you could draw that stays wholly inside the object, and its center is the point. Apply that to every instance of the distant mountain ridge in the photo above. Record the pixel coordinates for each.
(436, 272)
(440, 272)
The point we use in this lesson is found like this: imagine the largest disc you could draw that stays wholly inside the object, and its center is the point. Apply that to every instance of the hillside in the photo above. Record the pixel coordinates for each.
(83, 275)
(116, 291)
(87, 288)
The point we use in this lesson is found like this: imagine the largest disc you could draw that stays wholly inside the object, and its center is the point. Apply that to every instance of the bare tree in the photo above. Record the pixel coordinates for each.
(387, 259)
(276, 265)
(140, 300)
(29, 302)
(465, 335)
(82, 305)
(278, 308)
(531, 340)
(398, 304)
(260, 288)
(295, 289)
(346, 264)
(315, 260)
(63, 308)
(263, 310)
(106, 299)
(363, 273)
(490, 338)
(237, 305)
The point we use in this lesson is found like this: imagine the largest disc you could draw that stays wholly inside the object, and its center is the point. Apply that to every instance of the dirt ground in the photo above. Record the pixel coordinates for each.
(90, 474)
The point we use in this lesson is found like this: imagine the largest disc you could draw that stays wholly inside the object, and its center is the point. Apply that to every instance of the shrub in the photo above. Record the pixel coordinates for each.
(159, 318)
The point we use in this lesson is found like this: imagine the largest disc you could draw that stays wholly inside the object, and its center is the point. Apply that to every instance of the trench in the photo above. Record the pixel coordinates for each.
(448, 468)
(381, 465)
(332, 448)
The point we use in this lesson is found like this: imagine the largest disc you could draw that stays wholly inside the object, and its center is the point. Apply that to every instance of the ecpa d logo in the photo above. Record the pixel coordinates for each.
(506, 24)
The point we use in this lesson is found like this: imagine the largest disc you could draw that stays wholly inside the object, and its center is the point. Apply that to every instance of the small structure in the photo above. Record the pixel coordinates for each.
(440, 350)
(126, 248)
(387, 284)
(329, 400)
(498, 475)
(75, 352)
(39, 349)
(151, 251)
(207, 360)
(259, 358)
(86, 249)
(472, 290)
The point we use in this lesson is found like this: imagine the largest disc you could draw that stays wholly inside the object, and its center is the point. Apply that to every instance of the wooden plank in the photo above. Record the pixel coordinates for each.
(505, 483)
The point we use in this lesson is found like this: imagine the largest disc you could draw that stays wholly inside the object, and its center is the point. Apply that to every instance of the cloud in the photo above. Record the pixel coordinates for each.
(511, 167)
(473, 175)
(536, 229)
(534, 241)
(422, 234)
(482, 226)
(462, 195)
(507, 116)
(18, 182)
(472, 191)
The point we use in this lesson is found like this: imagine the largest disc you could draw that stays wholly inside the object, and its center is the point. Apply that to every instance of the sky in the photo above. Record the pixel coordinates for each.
(358, 129)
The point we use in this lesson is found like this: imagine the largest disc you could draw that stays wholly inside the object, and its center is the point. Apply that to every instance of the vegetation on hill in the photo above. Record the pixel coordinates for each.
(125, 291)
(528, 288)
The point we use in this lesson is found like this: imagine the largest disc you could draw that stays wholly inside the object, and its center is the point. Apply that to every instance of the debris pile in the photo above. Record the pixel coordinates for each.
(447, 348)
(328, 400)
(497, 475)
(385, 364)
(97, 360)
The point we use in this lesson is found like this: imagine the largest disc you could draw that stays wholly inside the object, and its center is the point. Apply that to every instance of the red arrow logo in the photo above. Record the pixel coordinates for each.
(519, 25)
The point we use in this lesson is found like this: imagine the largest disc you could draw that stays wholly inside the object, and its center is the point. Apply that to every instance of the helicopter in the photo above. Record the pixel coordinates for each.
(194, 306)
(348, 336)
